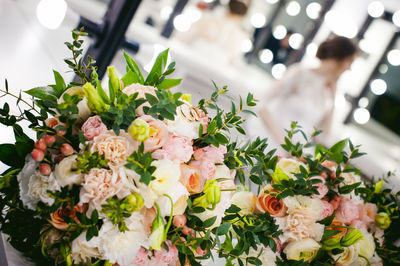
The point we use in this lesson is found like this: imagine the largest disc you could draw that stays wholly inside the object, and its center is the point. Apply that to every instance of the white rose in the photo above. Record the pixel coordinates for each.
(65, 174)
(82, 250)
(246, 201)
(305, 249)
(366, 245)
(348, 256)
(179, 196)
(167, 175)
(122, 247)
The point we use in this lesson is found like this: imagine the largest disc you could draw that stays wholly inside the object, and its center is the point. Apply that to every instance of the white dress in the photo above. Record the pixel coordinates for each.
(303, 96)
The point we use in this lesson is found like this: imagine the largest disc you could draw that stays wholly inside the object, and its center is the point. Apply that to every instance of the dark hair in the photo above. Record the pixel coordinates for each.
(239, 7)
(338, 48)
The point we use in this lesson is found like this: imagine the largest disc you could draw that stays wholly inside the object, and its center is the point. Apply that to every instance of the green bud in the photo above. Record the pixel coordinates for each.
(382, 220)
(139, 130)
(331, 243)
(351, 238)
(135, 202)
(94, 101)
(212, 195)
(158, 232)
(378, 186)
(114, 83)
(187, 97)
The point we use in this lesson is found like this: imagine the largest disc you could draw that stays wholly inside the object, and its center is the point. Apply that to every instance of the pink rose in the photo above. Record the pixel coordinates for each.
(179, 148)
(93, 127)
(165, 256)
(141, 90)
(142, 257)
(214, 154)
(206, 168)
(158, 139)
(160, 154)
(347, 211)
(358, 224)
(367, 212)
(199, 154)
(327, 209)
(321, 187)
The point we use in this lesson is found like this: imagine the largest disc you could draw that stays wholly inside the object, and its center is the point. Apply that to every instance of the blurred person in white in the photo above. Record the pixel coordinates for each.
(220, 36)
(307, 95)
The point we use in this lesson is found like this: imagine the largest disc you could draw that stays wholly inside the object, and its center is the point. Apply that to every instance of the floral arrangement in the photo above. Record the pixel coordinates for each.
(136, 174)
(325, 213)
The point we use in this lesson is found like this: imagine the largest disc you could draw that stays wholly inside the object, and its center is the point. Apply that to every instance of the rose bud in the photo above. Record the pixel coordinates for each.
(200, 251)
(37, 155)
(187, 231)
(44, 169)
(66, 149)
(40, 144)
(382, 220)
(49, 139)
(179, 220)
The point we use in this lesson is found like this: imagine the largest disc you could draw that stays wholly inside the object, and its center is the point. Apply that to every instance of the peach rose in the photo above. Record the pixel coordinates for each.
(99, 185)
(57, 220)
(268, 203)
(347, 211)
(190, 178)
(367, 212)
(158, 139)
(141, 90)
(116, 149)
(53, 123)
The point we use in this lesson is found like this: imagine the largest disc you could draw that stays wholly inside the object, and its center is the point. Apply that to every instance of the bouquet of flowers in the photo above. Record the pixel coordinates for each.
(325, 213)
(129, 175)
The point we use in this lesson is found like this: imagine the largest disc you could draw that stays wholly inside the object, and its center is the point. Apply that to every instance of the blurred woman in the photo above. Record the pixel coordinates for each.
(308, 95)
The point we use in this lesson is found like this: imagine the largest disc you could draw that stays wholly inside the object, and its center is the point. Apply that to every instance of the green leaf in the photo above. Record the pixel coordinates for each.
(169, 83)
(44, 93)
(157, 69)
(339, 146)
(130, 78)
(223, 228)
(9, 155)
(328, 220)
(209, 222)
(134, 67)
(60, 84)
(349, 188)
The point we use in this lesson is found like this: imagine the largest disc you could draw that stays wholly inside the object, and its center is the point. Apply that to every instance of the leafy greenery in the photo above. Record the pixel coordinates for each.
(88, 160)
(117, 210)
(140, 162)
(163, 105)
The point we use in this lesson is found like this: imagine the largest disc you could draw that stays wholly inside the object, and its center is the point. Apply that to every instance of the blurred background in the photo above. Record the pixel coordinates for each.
(248, 50)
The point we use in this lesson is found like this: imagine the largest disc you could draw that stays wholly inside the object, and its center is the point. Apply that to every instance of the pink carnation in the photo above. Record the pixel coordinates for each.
(179, 148)
(367, 212)
(93, 127)
(142, 257)
(347, 211)
(206, 168)
(358, 224)
(165, 256)
(214, 154)
(321, 187)
(327, 209)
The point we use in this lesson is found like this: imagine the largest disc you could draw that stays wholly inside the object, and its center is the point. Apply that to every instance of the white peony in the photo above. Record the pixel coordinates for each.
(246, 201)
(34, 186)
(179, 196)
(82, 250)
(348, 256)
(305, 249)
(122, 247)
(65, 174)
(266, 255)
(167, 176)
